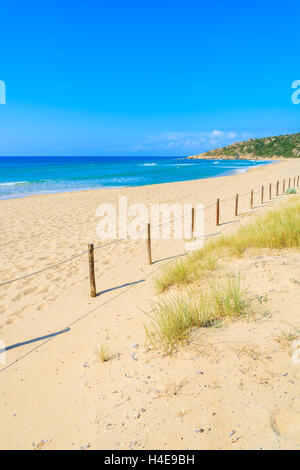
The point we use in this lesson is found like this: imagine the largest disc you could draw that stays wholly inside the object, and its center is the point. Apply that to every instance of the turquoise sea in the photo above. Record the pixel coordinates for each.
(26, 176)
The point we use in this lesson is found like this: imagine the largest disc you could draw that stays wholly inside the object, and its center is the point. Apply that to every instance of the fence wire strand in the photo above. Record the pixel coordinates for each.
(146, 277)
(75, 256)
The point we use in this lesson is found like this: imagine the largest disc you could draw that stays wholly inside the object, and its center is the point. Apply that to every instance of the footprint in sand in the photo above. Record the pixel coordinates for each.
(30, 290)
(18, 297)
(21, 269)
(285, 423)
(13, 318)
(44, 290)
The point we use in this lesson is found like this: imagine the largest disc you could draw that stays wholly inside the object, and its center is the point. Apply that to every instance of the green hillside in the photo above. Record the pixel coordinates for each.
(281, 146)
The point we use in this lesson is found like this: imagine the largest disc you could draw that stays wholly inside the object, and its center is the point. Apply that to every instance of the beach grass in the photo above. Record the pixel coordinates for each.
(278, 229)
(102, 353)
(221, 296)
(173, 316)
(183, 272)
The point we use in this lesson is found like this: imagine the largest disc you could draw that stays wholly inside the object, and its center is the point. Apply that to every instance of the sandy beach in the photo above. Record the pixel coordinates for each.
(231, 388)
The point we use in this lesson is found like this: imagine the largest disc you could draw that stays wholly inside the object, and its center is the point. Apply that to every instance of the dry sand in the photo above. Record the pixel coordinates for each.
(231, 388)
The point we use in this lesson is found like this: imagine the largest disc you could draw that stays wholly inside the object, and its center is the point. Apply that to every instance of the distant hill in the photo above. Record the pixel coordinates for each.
(281, 146)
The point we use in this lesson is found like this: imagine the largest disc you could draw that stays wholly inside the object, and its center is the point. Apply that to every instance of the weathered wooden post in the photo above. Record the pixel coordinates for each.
(193, 223)
(236, 204)
(270, 191)
(251, 199)
(277, 188)
(149, 243)
(92, 269)
(262, 194)
(289, 182)
(298, 181)
(283, 187)
(218, 213)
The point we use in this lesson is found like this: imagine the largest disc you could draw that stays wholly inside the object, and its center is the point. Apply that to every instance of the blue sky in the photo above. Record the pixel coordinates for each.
(145, 78)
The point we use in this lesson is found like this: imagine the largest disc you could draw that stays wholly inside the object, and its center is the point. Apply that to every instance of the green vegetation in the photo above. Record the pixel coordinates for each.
(196, 266)
(290, 191)
(282, 146)
(287, 337)
(220, 296)
(174, 316)
(277, 229)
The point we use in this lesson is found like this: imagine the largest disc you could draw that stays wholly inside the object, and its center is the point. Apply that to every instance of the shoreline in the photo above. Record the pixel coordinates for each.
(118, 188)
(54, 226)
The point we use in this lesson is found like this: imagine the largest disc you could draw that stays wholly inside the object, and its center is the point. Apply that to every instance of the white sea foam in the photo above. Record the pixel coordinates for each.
(185, 164)
(14, 183)
(148, 164)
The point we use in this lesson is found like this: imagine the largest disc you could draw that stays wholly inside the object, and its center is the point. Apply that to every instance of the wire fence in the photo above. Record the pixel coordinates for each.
(118, 241)
(146, 277)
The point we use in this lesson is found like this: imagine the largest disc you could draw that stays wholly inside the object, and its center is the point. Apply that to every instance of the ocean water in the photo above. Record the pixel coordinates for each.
(25, 176)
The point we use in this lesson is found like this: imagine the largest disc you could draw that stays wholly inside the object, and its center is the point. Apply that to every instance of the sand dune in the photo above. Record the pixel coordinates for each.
(62, 396)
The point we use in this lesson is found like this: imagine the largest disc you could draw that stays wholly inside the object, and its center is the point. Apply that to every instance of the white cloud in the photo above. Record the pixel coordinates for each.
(232, 135)
(218, 134)
(188, 142)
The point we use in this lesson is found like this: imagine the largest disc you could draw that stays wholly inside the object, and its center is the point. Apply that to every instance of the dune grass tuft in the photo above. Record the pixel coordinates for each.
(275, 230)
(183, 272)
(102, 353)
(287, 337)
(173, 317)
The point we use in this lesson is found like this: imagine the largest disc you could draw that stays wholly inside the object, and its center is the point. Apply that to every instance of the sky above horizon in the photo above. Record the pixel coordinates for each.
(152, 78)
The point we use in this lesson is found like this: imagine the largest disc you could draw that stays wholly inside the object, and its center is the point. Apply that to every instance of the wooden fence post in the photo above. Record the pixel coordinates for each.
(262, 194)
(251, 199)
(277, 188)
(298, 181)
(149, 243)
(283, 187)
(270, 191)
(193, 222)
(236, 204)
(92, 269)
(218, 213)
(289, 182)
